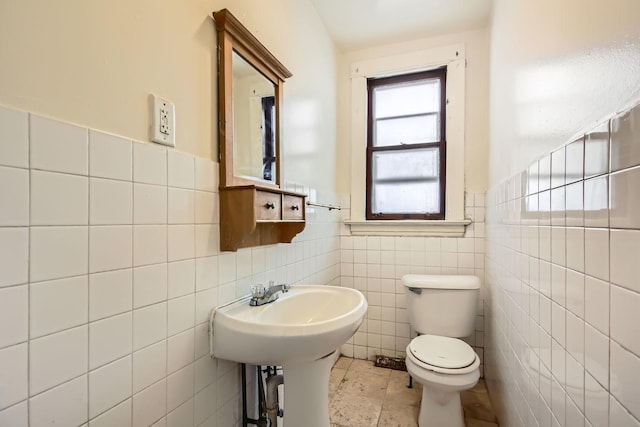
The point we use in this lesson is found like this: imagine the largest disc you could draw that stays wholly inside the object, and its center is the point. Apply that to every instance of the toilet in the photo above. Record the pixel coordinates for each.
(442, 309)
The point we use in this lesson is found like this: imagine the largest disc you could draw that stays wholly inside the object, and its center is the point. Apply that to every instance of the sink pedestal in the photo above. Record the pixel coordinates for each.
(306, 392)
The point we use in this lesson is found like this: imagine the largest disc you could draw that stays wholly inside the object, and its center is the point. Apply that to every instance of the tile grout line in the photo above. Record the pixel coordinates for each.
(29, 274)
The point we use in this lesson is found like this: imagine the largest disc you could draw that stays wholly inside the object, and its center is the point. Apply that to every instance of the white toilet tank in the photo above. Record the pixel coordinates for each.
(443, 305)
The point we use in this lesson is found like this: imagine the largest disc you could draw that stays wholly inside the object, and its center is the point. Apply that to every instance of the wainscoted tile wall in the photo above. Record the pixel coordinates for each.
(375, 265)
(109, 266)
(563, 276)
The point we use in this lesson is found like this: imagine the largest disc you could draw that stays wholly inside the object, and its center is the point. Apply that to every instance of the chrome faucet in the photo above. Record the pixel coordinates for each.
(261, 295)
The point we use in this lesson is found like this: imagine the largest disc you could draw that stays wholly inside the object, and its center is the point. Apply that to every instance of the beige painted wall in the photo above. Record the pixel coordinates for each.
(477, 103)
(557, 68)
(94, 63)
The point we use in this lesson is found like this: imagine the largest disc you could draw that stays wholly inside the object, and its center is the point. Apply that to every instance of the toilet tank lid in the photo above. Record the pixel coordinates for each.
(426, 281)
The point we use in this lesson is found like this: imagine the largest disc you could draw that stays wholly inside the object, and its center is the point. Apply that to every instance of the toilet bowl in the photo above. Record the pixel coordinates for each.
(445, 367)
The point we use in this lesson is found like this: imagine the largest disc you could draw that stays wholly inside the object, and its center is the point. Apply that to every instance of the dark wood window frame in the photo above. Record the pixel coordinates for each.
(372, 83)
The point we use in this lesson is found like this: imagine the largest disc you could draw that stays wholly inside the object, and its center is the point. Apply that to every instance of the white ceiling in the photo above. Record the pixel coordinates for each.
(357, 24)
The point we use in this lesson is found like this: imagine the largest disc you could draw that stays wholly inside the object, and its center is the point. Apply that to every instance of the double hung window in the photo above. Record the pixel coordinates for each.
(406, 146)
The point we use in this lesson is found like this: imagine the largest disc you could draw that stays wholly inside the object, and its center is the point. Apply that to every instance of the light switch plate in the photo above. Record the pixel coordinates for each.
(163, 122)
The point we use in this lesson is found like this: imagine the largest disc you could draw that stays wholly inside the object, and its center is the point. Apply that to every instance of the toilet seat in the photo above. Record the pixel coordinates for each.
(443, 354)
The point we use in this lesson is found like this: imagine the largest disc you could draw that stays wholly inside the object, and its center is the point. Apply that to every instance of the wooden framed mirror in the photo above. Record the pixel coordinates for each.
(254, 209)
(250, 89)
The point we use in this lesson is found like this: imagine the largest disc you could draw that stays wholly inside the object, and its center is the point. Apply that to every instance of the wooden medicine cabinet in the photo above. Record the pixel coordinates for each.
(254, 209)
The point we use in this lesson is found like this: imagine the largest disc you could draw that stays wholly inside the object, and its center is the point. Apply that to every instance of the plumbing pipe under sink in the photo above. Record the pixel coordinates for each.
(273, 382)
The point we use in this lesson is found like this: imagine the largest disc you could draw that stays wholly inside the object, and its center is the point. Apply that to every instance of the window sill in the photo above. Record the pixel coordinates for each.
(425, 228)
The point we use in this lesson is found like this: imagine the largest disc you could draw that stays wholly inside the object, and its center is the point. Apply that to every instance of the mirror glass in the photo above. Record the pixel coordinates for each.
(254, 123)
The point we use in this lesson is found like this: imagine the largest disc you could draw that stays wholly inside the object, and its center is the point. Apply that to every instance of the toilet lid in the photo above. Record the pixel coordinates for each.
(442, 352)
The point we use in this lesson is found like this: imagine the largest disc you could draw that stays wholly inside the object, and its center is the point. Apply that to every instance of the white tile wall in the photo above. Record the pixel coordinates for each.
(14, 138)
(64, 405)
(182, 415)
(13, 373)
(179, 387)
(16, 415)
(625, 140)
(109, 156)
(181, 206)
(66, 351)
(110, 248)
(14, 315)
(57, 252)
(110, 293)
(57, 146)
(109, 339)
(149, 284)
(149, 164)
(181, 242)
(109, 385)
(111, 202)
(59, 199)
(180, 351)
(375, 265)
(149, 244)
(149, 365)
(150, 404)
(149, 204)
(14, 255)
(625, 269)
(14, 191)
(119, 415)
(181, 314)
(57, 305)
(109, 266)
(572, 360)
(181, 170)
(182, 277)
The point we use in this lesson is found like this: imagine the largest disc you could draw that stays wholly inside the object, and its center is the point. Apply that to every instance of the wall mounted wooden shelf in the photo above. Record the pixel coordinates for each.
(251, 215)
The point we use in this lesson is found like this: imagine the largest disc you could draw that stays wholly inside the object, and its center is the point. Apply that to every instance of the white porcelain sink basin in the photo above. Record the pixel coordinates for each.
(298, 331)
(304, 324)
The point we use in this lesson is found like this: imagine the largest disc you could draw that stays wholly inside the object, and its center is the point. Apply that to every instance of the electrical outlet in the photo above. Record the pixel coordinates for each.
(163, 122)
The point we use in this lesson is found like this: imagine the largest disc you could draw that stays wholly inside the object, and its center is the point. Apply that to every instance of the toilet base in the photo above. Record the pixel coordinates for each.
(438, 410)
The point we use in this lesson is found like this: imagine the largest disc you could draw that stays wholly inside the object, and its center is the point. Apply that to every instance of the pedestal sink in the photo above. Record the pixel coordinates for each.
(298, 331)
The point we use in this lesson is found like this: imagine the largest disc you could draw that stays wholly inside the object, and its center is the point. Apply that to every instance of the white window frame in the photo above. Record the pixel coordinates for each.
(453, 57)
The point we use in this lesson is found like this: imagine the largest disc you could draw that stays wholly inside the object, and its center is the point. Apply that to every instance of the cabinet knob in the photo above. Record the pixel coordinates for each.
(270, 205)
(295, 207)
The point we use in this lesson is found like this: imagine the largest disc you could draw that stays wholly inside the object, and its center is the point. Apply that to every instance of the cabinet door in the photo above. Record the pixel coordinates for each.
(268, 206)
(293, 208)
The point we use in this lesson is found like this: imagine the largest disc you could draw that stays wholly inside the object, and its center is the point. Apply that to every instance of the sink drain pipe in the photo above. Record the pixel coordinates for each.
(273, 412)
(268, 404)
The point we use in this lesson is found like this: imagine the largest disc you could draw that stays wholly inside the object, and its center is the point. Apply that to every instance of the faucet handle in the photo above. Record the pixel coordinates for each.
(258, 291)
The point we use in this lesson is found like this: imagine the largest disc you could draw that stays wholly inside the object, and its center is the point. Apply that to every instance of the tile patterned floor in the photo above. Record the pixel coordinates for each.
(362, 395)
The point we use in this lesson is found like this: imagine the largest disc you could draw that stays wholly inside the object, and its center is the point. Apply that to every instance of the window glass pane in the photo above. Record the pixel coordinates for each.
(407, 130)
(407, 98)
(401, 198)
(406, 164)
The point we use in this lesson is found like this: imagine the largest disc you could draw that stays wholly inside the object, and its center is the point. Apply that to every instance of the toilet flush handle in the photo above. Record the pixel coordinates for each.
(417, 291)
